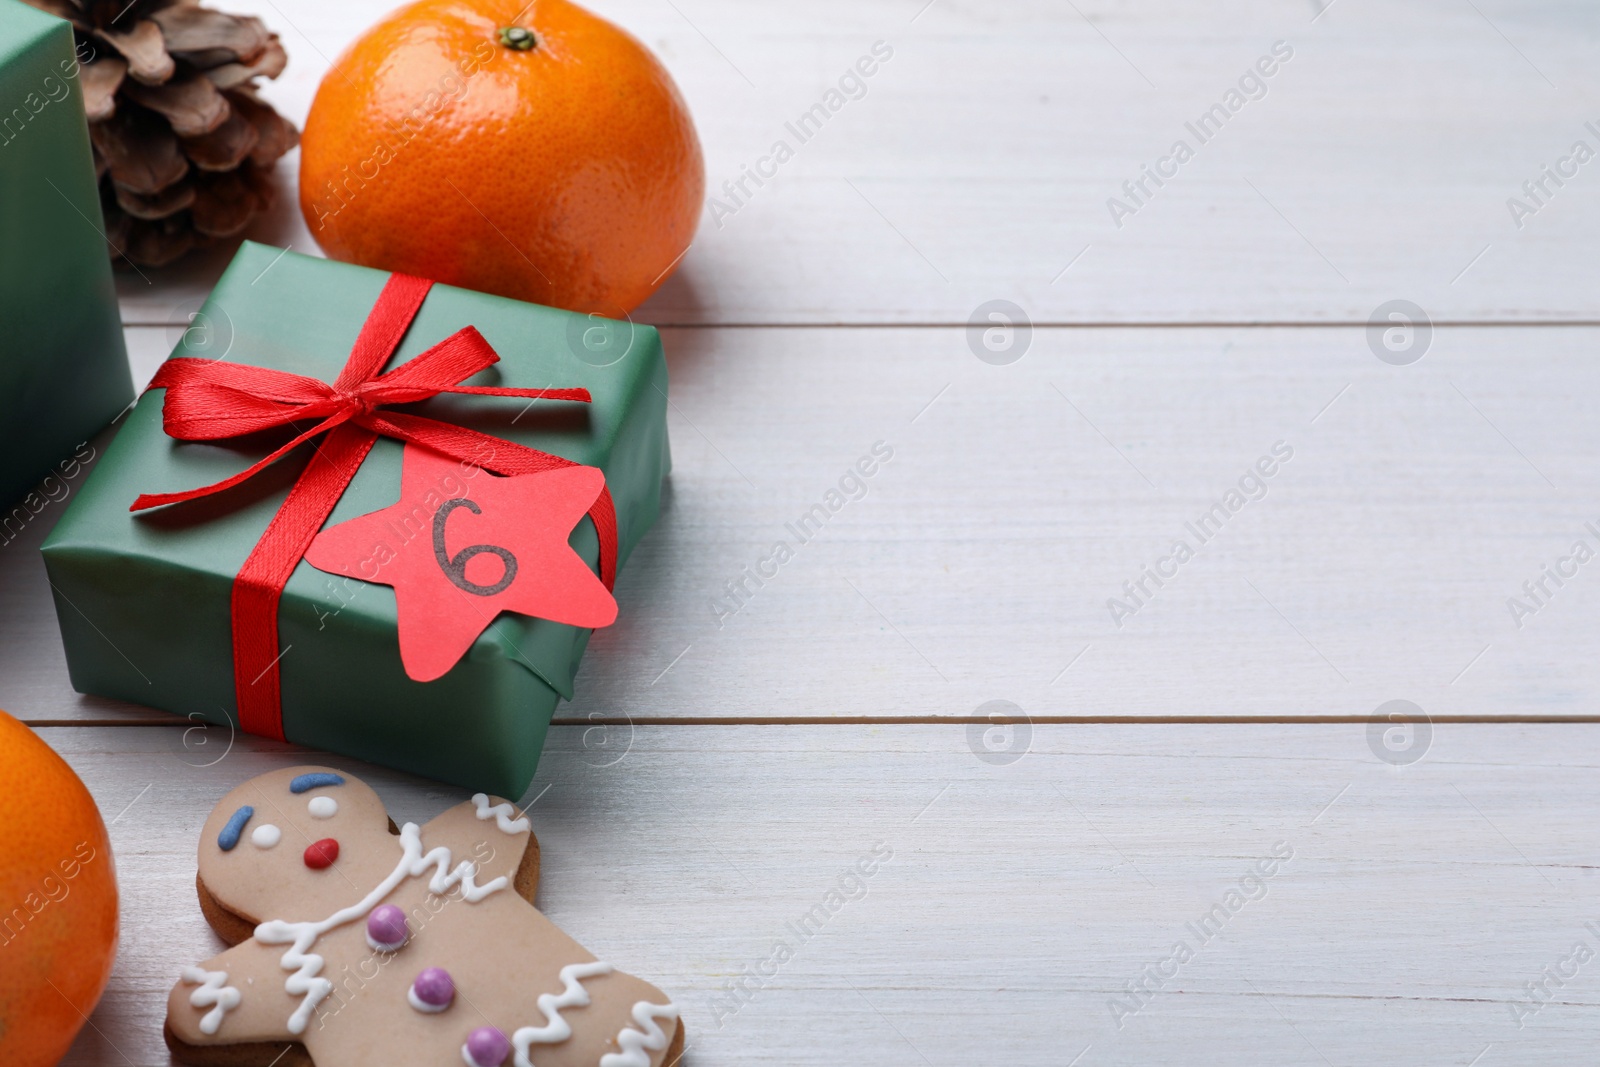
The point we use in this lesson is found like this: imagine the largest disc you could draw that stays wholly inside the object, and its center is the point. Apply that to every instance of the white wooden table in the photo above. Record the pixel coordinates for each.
(720, 766)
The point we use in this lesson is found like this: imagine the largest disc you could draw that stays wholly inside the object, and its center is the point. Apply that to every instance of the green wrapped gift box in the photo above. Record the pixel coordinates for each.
(143, 599)
(63, 370)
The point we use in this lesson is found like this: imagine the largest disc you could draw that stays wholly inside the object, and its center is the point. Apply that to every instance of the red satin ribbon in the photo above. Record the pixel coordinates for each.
(209, 400)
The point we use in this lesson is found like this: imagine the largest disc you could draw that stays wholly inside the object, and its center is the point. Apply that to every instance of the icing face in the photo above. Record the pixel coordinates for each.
(280, 815)
(228, 836)
(322, 854)
(302, 782)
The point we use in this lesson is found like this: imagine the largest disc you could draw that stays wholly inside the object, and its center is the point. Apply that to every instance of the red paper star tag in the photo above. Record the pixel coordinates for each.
(462, 546)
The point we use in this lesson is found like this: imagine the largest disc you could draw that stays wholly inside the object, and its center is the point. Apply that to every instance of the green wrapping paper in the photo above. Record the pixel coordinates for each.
(143, 599)
(63, 371)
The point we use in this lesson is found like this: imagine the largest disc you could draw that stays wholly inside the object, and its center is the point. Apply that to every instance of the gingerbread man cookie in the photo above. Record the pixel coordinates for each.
(356, 943)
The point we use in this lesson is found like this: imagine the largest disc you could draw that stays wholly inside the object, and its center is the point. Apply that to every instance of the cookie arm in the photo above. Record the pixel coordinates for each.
(494, 835)
(235, 997)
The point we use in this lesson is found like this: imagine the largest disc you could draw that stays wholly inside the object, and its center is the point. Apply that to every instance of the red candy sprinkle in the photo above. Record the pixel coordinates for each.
(320, 854)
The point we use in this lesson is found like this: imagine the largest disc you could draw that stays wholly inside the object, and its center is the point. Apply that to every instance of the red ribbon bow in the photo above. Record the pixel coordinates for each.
(209, 400)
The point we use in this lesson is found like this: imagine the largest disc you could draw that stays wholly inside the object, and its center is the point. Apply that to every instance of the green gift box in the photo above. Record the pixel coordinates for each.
(143, 599)
(63, 370)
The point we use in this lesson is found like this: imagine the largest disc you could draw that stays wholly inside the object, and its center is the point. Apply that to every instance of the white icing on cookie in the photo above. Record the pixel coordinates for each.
(214, 993)
(266, 835)
(649, 1036)
(378, 946)
(572, 996)
(422, 1005)
(305, 981)
(502, 815)
(323, 807)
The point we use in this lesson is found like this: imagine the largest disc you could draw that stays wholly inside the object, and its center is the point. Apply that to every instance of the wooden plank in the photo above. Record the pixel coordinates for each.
(1020, 899)
(1377, 163)
(980, 562)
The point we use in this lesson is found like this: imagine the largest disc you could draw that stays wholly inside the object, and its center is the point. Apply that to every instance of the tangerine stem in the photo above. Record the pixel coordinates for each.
(517, 38)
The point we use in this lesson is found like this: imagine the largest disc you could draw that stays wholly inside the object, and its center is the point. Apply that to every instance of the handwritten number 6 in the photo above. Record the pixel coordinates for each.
(455, 567)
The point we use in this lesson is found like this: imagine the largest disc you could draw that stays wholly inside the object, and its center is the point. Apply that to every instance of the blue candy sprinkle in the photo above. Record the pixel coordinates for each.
(313, 780)
(229, 836)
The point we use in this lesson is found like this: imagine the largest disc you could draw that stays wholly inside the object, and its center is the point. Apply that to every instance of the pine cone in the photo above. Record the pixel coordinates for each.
(183, 145)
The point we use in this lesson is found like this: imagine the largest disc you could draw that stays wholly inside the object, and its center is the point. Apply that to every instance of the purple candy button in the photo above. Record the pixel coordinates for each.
(486, 1047)
(432, 990)
(387, 928)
